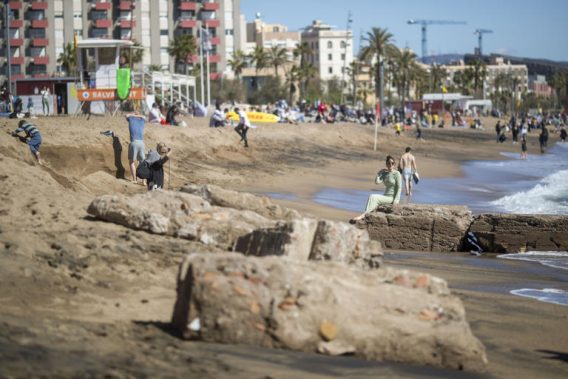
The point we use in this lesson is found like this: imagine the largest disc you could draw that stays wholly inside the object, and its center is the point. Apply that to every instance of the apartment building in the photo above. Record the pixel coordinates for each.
(39, 30)
(332, 50)
(498, 68)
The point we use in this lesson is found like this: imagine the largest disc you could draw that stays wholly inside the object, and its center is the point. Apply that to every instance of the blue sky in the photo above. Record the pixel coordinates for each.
(524, 28)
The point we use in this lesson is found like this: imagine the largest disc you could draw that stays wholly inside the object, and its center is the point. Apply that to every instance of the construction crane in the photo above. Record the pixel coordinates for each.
(480, 33)
(425, 23)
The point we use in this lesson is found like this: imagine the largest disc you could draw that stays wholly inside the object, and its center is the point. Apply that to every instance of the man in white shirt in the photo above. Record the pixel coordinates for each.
(45, 100)
(244, 125)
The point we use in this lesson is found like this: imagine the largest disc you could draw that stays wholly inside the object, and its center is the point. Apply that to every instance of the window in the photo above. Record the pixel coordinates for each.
(36, 33)
(343, 44)
(330, 70)
(229, 32)
(187, 15)
(98, 15)
(329, 57)
(342, 57)
(37, 52)
(36, 15)
(329, 45)
(164, 32)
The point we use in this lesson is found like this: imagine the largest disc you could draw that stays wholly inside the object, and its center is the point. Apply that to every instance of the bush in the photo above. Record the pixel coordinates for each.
(270, 90)
(225, 90)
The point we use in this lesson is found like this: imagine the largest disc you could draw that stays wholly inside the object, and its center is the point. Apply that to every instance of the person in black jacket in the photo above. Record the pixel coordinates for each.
(156, 160)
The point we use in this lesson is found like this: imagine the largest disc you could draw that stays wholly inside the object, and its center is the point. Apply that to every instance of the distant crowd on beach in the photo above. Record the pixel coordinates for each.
(518, 128)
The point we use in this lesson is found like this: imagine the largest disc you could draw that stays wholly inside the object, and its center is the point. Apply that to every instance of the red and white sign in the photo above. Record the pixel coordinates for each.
(102, 94)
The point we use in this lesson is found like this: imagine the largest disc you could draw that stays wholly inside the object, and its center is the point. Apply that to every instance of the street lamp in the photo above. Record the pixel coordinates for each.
(7, 38)
(349, 21)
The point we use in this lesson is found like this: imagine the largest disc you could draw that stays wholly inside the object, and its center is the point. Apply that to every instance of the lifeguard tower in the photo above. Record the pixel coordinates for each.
(106, 77)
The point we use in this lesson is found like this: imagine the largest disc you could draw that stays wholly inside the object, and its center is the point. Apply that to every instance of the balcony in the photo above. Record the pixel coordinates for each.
(210, 6)
(39, 24)
(215, 75)
(18, 77)
(125, 5)
(15, 5)
(103, 23)
(41, 60)
(39, 5)
(16, 24)
(211, 23)
(186, 24)
(103, 6)
(40, 75)
(16, 60)
(16, 41)
(215, 40)
(36, 42)
(215, 58)
(127, 24)
(188, 6)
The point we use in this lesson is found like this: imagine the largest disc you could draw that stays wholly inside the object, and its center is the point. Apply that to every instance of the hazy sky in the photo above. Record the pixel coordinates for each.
(524, 28)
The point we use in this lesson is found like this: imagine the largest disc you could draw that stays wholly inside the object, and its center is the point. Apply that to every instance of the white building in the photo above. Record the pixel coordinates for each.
(332, 50)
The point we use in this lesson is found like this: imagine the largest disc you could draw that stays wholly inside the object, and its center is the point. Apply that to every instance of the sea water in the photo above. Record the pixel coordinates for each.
(536, 185)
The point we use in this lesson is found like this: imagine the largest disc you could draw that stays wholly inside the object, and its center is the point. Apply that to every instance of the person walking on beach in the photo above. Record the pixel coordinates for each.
(542, 139)
(498, 129)
(32, 138)
(524, 147)
(515, 133)
(407, 164)
(45, 101)
(563, 135)
(136, 146)
(393, 183)
(243, 126)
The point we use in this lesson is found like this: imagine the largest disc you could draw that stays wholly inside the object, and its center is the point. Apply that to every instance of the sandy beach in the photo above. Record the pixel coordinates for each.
(85, 298)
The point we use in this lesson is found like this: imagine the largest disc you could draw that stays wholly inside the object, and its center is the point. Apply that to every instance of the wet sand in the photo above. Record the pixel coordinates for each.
(84, 298)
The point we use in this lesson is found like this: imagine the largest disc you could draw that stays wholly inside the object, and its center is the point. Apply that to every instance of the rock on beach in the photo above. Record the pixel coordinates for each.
(326, 307)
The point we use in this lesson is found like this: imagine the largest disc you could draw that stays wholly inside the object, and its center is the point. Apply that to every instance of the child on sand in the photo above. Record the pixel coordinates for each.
(33, 138)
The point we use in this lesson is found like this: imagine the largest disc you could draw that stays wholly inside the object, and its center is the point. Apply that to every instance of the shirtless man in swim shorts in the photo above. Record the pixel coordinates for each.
(408, 166)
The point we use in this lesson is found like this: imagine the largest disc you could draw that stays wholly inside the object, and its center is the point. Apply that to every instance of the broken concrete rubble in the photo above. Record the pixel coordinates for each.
(384, 314)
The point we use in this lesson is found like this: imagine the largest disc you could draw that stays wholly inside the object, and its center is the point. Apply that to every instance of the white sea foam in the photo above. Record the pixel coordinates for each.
(548, 295)
(556, 259)
(550, 196)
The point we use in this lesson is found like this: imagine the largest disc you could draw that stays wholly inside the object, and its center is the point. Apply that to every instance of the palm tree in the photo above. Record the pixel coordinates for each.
(438, 74)
(478, 72)
(238, 63)
(137, 53)
(307, 73)
(353, 71)
(277, 56)
(464, 81)
(68, 59)
(182, 48)
(259, 58)
(379, 43)
(406, 71)
(303, 50)
(292, 77)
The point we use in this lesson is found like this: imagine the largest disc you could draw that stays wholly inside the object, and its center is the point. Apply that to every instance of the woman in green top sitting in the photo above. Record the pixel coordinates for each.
(392, 180)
